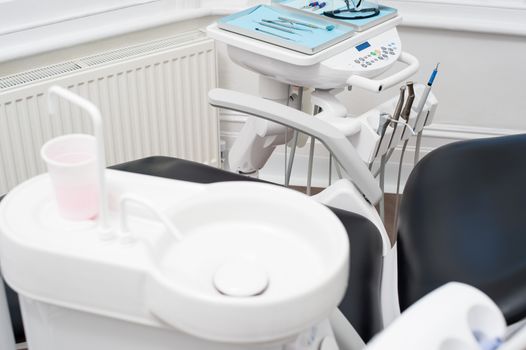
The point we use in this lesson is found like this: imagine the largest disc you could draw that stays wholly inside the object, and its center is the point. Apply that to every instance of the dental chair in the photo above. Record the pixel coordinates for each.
(460, 220)
(362, 302)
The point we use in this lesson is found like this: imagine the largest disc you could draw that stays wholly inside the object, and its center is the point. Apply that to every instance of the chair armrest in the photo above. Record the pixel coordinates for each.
(331, 137)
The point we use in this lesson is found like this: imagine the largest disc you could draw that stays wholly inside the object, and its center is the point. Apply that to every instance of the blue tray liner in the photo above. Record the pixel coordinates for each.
(318, 37)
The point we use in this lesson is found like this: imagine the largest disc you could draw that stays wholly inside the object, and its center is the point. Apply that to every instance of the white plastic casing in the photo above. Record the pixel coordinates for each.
(68, 276)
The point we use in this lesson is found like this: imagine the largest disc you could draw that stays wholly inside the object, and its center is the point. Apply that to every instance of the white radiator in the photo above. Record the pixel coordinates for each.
(153, 98)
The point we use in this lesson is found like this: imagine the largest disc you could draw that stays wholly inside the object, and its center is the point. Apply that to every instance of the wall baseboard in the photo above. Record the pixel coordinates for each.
(434, 136)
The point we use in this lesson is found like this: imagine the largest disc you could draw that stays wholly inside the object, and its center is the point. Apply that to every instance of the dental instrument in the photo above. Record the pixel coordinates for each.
(384, 159)
(276, 27)
(305, 24)
(312, 145)
(270, 33)
(367, 12)
(398, 112)
(312, 4)
(405, 116)
(383, 124)
(319, 6)
(410, 100)
(420, 108)
(285, 25)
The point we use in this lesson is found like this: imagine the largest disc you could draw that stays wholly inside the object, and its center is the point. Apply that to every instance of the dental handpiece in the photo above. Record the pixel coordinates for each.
(385, 120)
(420, 111)
(383, 123)
(397, 113)
(406, 113)
(400, 105)
(425, 94)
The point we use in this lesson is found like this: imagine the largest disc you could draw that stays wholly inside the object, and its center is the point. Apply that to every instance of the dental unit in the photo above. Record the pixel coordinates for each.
(162, 253)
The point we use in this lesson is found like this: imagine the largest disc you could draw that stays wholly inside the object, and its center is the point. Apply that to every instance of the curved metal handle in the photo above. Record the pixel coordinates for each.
(130, 198)
(380, 85)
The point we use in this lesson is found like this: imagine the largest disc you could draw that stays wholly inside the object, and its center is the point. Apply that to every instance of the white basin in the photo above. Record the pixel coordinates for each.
(257, 263)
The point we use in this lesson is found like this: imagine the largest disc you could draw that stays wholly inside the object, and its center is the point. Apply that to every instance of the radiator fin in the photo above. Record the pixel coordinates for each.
(138, 50)
(35, 75)
(152, 103)
(107, 57)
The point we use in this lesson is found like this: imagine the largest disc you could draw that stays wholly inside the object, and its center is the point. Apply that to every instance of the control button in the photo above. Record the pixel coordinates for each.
(369, 63)
(356, 61)
(364, 65)
(391, 53)
(373, 53)
(384, 48)
(362, 59)
(376, 60)
(385, 56)
(381, 58)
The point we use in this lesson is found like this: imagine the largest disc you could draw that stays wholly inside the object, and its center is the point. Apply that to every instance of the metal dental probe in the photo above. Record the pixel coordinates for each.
(270, 33)
(276, 27)
(420, 109)
(405, 115)
(286, 25)
(305, 24)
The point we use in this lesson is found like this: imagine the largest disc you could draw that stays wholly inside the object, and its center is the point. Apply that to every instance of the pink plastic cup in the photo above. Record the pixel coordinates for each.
(72, 165)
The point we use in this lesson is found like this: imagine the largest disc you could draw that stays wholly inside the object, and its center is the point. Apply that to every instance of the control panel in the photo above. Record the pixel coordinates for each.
(369, 58)
(372, 56)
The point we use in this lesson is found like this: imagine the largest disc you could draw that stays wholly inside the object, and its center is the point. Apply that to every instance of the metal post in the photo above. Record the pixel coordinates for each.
(311, 158)
(298, 105)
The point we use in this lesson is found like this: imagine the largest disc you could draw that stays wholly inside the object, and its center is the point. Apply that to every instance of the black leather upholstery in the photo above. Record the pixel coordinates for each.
(180, 169)
(462, 219)
(362, 302)
(14, 310)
